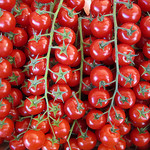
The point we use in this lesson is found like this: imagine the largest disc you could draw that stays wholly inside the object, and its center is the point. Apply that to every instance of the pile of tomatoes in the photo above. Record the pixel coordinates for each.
(70, 80)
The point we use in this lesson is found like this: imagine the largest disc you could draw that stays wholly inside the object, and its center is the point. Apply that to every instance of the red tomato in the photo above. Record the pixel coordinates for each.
(77, 4)
(73, 144)
(7, 21)
(101, 75)
(74, 108)
(34, 105)
(98, 98)
(103, 147)
(121, 145)
(144, 5)
(87, 141)
(7, 127)
(6, 46)
(95, 119)
(130, 78)
(33, 139)
(108, 136)
(125, 128)
(7, 4)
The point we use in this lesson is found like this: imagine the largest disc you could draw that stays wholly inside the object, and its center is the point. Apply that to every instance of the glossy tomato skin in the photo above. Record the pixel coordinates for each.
(7, 22)
(124, 49)
(98, 52)
(131, 39)
(124, 128)
(19, 58)
(99, 74)
(4, 108)
(77, 4)
(64, 68)
(101, 28)
(74, 108)
(132, 74)
(6, 46)
(89, 142)
(67, 55)
(48, 145)
(113, 116)
(73, 144)
(17, 144)
(62, 130)
(109, 138)
(134, 113)
(54, 89)
(127, 100)
(40, 47)
(33, 110)
(43, 125)
(86, 29)
(146, 49)
(23, 18)
(142, 90)
(7, 128)
(126, 14)
(33, 139)
(121, 145)
(98, 98)
(40, 21)
(5, 68)
(35, 6)
(94, 121)
(145, 26)
(22, 125)
(7, 4)
(100, 7)
(65, 20)
(59, 39)
(103, 147)
(144, 5)
(5, 89)
(144, 70)
(140, 139)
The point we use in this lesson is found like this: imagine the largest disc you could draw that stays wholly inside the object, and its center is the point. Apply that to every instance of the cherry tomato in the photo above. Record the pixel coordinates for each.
(124, 128)
(146, 49)
(121, 145)
(7, 4)
(144, 5)
(103, 147)
(73, 144)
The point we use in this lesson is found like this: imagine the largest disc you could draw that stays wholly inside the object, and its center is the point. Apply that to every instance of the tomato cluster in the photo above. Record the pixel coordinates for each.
(75, 81)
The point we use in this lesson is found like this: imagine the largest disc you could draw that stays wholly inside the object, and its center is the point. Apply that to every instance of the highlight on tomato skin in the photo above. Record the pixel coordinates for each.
(74, 74)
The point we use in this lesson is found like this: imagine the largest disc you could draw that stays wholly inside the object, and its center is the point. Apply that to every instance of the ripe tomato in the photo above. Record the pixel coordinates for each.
(34, 139)
(77, 61)
(4, 108)
(66, 54)
(22, 125)
(125, 99)
(146, 49)
(40, 21)
(5, 88)
(36, 85)
(86, 29)
(34, 105)
(40, 122)
(139, 137)
(144, 70)
(17, 144)
(61, 128)
(142, 90)
(144, 26)
(100, 7)
(7, 4)
(95, 119)
(77, 4)
(125, 128)
(37, 5)
(61, 73)
(101, 27)
(18, 58)
(139, 113)
(7, 127)
(64, 34)
(45, 1)
(127, 50)
(51, 143)
(132, 76)
(132, 36)
(7, 21)
(130, 14)
(6, 46)
(144, 5)
(99, 51)
(116, 116)
(5, 68)
(109, 135)
(98, 98)
(73, 144)
(103, 147)
(87, 141)
(74, 108)
(121, 145)
(100, 76)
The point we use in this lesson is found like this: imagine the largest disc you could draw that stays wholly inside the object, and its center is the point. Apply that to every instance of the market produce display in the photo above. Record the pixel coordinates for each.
(75, 74)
